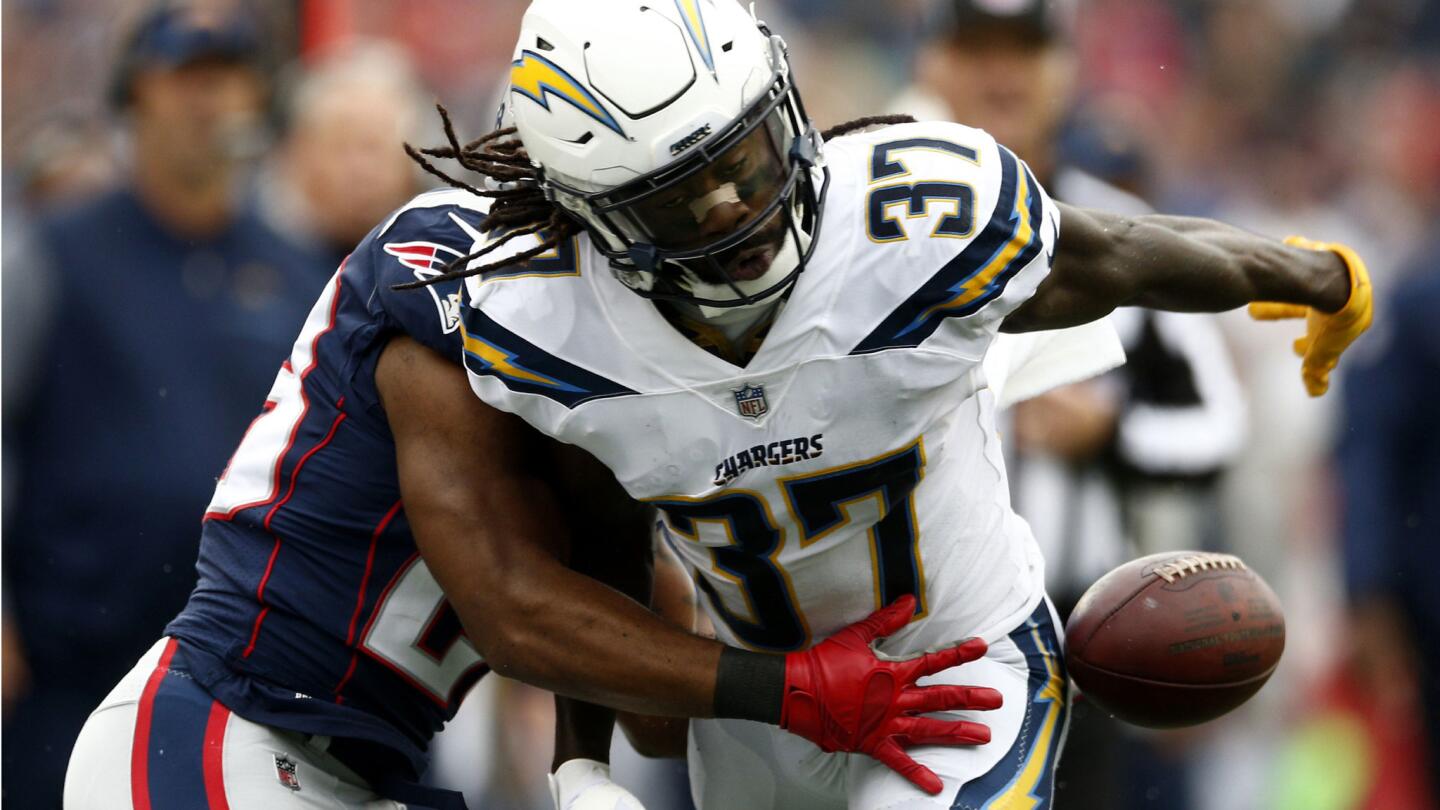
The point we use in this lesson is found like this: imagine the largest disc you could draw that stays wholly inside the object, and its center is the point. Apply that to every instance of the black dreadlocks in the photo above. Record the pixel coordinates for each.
(522, 207)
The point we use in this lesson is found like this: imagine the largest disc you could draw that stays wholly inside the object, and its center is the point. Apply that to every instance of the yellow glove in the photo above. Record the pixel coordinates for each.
(1326, 334)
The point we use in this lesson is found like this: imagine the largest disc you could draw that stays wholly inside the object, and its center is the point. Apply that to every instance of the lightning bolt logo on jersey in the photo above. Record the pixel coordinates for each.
(309, 576)
(933, 233)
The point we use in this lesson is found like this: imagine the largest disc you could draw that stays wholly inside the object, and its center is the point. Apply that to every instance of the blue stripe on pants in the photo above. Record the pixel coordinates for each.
(1024, 779)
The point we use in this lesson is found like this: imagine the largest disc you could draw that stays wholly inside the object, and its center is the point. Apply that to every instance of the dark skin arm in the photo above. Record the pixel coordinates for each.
(1184, 264)
(673, 597)
(611, 543)
(478, 491)
(582, 731)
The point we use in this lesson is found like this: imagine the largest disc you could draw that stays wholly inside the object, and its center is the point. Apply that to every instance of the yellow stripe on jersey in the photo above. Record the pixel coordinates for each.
(1023, 235)
(1008, 242)
(501, 362)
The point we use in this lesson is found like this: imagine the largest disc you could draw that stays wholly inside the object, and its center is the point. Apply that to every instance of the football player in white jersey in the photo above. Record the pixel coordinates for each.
(776, 338)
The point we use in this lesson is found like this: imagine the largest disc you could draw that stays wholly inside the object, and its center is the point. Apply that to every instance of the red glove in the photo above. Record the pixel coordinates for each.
(842, 697)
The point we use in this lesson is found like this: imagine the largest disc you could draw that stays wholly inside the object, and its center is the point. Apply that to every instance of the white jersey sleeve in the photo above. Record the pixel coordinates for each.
(960, 222)
(1022, 366)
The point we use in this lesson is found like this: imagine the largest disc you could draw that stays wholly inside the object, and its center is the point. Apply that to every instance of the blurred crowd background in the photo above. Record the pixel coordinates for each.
(171, 207)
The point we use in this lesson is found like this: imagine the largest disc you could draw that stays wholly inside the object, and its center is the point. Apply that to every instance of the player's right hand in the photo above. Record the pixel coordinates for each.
(842, 696)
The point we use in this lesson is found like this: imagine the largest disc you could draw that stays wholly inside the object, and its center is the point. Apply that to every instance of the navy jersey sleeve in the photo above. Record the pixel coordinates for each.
(417, 244)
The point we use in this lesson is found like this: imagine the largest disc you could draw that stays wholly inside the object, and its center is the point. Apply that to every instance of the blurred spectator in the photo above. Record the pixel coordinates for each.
(66, 158)
(1354, 749)
(1100, 467)
(460, 48)
(172, 308)
(1389, 456)
(341, 168)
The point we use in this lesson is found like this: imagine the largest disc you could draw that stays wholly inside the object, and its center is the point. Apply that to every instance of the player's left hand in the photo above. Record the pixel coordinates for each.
(584, 784)
(843, 696)
(1327, 334)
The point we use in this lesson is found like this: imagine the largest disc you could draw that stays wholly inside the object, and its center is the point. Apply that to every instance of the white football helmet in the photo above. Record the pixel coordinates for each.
(672, 129)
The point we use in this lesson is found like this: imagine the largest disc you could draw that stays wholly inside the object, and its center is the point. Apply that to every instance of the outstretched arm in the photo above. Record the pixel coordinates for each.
(1186, 264)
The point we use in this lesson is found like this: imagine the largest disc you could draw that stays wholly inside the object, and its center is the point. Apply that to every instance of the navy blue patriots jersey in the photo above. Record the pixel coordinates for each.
(313, 610)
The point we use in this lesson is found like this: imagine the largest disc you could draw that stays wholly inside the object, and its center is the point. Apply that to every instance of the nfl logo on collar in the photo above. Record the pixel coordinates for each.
(750, 401)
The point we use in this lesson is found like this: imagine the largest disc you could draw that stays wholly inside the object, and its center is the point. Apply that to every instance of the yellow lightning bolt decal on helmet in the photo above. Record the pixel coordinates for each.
(537, 78)
(690, 13)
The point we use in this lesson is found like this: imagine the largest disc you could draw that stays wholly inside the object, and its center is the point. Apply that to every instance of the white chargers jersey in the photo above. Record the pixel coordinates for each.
(855, 458)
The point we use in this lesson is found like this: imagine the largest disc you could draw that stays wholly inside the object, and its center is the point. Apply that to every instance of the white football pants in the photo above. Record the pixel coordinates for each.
(737, 764)
(160, 742)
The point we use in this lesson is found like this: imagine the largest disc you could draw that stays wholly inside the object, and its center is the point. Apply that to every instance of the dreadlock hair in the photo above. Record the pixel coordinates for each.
(861, 123)
(521, 205)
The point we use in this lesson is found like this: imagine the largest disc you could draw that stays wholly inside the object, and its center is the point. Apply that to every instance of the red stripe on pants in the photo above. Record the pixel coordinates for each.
(140, 748)
(214, 757)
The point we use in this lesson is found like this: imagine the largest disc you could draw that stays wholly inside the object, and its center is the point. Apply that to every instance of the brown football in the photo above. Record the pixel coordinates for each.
(1175, 639)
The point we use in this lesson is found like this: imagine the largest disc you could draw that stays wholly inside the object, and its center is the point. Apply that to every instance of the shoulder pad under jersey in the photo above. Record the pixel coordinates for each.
(416, 244)
(957, 232)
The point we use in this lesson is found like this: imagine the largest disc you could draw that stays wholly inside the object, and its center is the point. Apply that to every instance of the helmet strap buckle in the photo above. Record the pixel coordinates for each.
(805, 150)
(646, 258)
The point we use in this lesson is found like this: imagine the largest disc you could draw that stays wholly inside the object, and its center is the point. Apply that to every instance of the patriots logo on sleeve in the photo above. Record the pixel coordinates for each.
(427, 260)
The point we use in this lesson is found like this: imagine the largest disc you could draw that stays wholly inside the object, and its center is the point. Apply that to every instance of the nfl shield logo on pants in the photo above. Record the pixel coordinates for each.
(285, 772)
(750, 400)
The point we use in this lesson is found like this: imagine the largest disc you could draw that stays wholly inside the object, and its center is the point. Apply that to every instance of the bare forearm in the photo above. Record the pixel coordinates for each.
(672, 598)
(582, 731)
(581, 639)
(1183, 264)
(536, 620)
(1217, 267)
(480, 496)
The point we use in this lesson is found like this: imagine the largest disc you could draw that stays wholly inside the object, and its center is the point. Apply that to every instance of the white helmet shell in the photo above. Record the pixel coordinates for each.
(619, 116)
(620, 102)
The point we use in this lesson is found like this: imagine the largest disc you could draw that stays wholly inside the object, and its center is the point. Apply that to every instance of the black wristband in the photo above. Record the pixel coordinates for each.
(749, 685)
